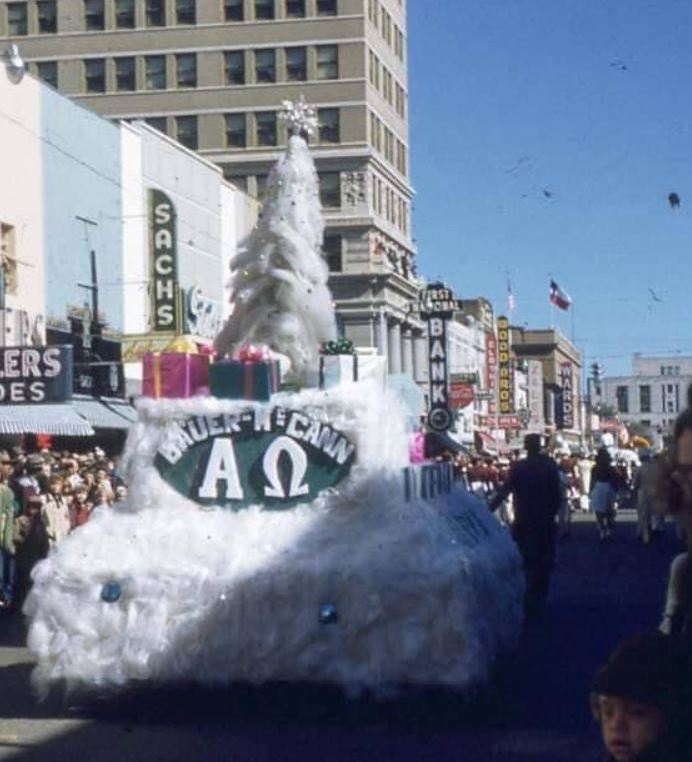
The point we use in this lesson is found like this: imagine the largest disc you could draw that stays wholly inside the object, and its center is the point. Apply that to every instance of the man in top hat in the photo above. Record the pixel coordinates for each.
(535, 484)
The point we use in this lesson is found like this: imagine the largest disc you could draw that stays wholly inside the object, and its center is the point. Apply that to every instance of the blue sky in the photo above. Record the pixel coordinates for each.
(590, 101)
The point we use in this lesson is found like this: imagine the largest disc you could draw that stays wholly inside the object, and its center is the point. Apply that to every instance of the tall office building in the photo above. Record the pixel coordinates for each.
(212, 73)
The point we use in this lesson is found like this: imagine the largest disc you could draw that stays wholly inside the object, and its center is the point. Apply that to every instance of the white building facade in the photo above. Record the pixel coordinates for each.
(653, 395)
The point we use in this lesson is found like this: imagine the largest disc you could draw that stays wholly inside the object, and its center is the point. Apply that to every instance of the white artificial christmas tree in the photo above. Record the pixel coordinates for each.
(279, 292)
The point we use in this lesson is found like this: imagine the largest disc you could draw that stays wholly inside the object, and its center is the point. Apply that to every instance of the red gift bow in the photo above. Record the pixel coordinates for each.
(252, 353)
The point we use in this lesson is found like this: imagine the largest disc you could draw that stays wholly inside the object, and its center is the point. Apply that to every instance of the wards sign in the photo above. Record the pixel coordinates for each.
(269, 456)
(164, 263)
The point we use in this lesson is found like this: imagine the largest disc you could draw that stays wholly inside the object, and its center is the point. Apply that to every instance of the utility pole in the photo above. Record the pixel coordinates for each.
(93, 287)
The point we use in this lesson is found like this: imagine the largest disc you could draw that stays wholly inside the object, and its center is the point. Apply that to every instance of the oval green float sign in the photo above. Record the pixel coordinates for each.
(271, 456)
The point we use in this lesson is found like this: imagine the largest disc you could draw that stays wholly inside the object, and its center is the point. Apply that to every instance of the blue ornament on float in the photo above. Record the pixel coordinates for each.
(111, 591)
(328, 614)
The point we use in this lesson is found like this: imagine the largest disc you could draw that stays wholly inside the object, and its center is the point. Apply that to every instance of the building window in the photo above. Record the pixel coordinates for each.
(125, 74)
(95, 75)
(330, 131)
(17, 19)
(233, 10)
(185, 12)
(234, 67)
(236, 131)
(326, 7)
(644, 399)
(47, 17)
(48, 72)
(186, 131)
(296, 64)
(264, 9)
(94, 15)
(330, 189)
(266, 128)
(621, 394)
(125, 14)
(332, 253)
(155, 72)
(327, 62)
(261, 184)
(186, 69)
(295, 9)
(159, 123)
(265, 66)
(155, 12)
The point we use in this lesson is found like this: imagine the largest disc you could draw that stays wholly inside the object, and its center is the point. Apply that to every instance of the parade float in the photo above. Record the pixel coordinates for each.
(275, 530)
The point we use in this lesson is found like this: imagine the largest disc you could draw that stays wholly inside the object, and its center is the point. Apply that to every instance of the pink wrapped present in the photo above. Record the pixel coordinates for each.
(175, 375)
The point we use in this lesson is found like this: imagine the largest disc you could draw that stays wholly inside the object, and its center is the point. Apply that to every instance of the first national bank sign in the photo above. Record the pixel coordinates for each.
(164, 263)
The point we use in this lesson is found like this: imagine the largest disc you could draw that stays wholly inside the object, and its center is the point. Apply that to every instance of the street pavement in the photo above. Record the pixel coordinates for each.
(536, 707)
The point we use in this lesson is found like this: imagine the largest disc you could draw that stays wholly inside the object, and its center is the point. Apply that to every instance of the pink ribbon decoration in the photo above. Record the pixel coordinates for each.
(253, 353)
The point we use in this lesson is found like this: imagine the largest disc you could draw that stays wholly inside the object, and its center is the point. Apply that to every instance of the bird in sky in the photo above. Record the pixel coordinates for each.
(521, 160)
(655, 296)
(619, 65)
(674, 200)
(547, 193)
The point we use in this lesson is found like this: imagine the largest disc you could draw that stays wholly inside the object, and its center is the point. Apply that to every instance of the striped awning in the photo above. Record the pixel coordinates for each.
(98, 414)
(121, 407)
(58, 420)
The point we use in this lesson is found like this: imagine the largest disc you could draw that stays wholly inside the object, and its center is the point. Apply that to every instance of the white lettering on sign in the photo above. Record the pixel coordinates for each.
(299, 467)
(438, 395)
(203, 314)
(437, 327)
(164, 264)
(222, 466)
(437, 371)
(163, 213)
(163, 240)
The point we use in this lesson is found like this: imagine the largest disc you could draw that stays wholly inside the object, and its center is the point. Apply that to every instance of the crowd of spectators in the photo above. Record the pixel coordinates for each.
(44, 496)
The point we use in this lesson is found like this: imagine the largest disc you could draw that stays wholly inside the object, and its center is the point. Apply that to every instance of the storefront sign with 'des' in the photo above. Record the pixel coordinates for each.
(504, 364)
(164, 264)
(272, 457)
(35, 374)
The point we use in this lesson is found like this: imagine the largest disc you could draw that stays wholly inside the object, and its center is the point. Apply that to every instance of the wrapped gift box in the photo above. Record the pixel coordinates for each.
(337, 369)
(175, 375)
(235, 379)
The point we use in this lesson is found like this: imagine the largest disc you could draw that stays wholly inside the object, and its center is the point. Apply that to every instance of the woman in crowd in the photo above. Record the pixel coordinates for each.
(603, 492)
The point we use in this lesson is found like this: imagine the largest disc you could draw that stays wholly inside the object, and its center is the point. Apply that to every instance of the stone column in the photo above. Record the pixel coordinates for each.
(407, 351)
(380, 321)
(394, 347)
(420, 357)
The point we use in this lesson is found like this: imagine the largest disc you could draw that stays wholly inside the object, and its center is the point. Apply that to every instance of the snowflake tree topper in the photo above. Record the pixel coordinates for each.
(300, 118)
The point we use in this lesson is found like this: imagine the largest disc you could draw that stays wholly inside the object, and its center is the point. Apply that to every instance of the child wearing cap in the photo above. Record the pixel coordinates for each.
(639, 698)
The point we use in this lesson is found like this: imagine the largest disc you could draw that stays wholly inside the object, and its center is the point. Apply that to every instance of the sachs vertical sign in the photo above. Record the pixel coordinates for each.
(164, 263)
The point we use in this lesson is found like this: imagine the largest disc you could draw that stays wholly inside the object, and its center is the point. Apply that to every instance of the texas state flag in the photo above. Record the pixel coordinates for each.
(559, 297)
